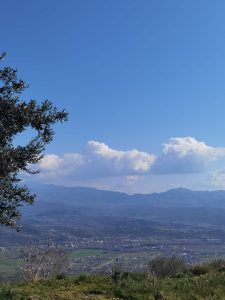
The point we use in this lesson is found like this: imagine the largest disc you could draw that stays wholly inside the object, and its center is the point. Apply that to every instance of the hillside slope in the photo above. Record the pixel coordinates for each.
(132, 287)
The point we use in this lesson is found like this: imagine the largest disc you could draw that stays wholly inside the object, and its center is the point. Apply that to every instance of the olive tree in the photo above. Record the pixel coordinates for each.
(16, 116)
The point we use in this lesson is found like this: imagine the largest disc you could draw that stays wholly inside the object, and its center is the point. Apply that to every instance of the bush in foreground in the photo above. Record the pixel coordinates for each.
(167, 266)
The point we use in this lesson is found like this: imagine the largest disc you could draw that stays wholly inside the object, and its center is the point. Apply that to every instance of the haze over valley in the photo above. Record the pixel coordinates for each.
(189, 224)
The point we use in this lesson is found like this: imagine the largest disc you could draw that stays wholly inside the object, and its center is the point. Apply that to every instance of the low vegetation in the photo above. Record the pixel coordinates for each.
(172, 279)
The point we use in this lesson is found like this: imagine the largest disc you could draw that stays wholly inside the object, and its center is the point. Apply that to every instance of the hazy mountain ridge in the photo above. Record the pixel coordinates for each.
(65, 213)
(177, 205)
(90, 197)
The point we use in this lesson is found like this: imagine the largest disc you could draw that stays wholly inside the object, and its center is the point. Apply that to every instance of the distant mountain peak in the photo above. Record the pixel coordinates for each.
(179, 190)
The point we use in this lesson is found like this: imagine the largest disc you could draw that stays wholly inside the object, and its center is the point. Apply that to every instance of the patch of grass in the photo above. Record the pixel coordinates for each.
(133, 286)
(95, 287)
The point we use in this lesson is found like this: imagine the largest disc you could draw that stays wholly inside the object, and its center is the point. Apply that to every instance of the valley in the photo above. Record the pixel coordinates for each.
(97, 228)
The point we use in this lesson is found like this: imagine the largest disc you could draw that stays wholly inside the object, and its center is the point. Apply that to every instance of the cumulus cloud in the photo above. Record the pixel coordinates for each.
(114, 162)
(186, 155)
(190, 146)
(98, 161)
(53, 166)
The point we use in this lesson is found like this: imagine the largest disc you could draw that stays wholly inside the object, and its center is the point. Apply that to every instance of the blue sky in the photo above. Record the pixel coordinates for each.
(133, 75)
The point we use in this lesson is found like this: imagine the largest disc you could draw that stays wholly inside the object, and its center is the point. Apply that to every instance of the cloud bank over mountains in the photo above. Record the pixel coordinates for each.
(181, 155)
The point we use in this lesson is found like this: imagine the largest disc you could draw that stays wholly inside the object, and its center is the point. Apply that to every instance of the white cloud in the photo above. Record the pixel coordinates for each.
(50, 162)
(118, 162)
(101, 166)
(184, 146)
(98, 160)
(53, 166)
(186, 155)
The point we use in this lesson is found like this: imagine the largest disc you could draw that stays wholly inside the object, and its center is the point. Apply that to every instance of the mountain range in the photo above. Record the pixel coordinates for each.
(72, 212)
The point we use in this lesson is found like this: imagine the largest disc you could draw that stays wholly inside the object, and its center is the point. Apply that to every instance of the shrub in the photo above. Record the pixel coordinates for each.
(167, 266)
(6, 294)
(82, 278)
(116, 274)
(60, 276)
(217, 265)
(200, 269)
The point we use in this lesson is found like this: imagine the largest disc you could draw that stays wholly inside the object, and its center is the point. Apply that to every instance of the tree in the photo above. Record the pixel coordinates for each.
(16, 116)
(43, 262)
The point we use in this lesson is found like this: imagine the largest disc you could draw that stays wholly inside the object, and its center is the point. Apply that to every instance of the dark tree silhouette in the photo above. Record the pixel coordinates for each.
(16, 116)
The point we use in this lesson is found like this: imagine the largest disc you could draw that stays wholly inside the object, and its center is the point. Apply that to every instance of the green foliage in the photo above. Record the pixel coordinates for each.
(215, 266)
(200, 269)
(116, 274)
(16, 116)
(60, 276)
(202, 281)
(6, 293)
(133, 286)
(167, 266)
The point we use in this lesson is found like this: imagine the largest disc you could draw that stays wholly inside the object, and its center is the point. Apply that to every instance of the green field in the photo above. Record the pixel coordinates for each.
(8, 263)
(9, 267)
